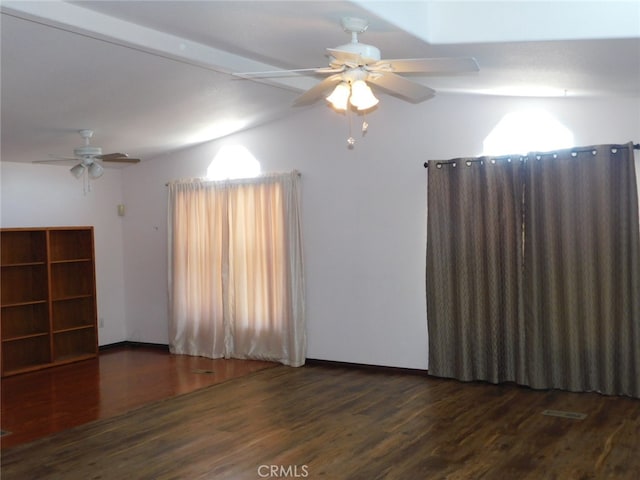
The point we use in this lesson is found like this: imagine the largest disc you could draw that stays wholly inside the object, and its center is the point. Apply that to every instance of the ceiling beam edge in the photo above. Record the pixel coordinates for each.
(83, 21)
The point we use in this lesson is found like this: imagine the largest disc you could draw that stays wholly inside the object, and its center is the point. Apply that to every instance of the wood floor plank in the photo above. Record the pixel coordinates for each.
(347, 423)
(120, 379)
(342, 423)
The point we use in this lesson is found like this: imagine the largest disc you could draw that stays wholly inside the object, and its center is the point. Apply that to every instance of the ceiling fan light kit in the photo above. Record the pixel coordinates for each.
(95, 170)
(353, 89)
(88, 155)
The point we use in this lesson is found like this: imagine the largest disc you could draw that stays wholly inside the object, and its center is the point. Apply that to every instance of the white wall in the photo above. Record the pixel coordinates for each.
(47, 195)
(364, 213)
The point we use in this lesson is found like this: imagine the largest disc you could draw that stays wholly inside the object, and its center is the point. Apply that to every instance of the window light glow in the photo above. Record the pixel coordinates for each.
(233, 161)
(527, 131)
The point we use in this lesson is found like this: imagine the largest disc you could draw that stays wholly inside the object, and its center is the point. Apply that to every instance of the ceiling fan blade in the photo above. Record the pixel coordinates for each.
(122, 160)
(325, 70)
(117, 157)
(57, 159)
(444, 65)
(400, 86)
(276, 73)
(106, 156)
(317, 91)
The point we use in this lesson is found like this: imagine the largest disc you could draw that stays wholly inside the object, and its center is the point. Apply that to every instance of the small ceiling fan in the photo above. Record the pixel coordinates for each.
(88, 156)
(354, 65)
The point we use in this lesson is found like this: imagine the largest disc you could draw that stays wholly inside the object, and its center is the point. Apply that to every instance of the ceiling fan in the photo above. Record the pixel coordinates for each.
(355, 65)
(87, 155)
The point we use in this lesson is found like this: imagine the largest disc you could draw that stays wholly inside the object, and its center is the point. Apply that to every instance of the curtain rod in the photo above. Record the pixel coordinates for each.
(636, 146)
(265, 175)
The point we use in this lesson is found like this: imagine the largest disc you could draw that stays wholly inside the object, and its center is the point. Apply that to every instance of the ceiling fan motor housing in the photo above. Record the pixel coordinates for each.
(367, 53)
(87, 151)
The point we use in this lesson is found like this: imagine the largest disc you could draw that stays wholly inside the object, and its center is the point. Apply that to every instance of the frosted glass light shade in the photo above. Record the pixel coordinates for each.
(361, 95)
(340, 96)
(77, 170)
(95, 170)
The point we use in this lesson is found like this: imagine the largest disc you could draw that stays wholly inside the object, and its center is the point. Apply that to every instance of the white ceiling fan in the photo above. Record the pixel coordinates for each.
(355, 65)
(88, 156)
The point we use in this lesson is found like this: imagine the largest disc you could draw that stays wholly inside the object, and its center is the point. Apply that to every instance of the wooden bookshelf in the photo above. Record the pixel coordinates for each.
(48, 297)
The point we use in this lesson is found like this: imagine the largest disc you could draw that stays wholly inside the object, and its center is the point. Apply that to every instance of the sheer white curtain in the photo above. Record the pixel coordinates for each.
(236, 276)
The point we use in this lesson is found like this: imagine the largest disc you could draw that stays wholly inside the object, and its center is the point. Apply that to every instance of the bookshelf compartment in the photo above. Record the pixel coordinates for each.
(70, 244)
(25, 320)
(22, 246)
(73, 313)
(71, 279)
(25, 353)
(74, 343)
(23, 284)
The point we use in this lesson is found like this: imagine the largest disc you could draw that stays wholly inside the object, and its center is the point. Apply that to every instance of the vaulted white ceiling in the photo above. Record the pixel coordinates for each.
(154, 76)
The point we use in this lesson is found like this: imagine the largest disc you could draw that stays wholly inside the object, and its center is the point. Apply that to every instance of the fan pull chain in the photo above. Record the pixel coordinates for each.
(86, 183)
(350, 141)
(365, 128)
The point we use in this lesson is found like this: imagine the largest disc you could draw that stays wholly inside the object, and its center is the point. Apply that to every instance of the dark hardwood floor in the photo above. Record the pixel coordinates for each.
(122, 378)
(320, 421)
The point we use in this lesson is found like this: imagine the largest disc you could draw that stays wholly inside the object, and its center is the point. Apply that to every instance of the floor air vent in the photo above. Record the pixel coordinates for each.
(203, 371)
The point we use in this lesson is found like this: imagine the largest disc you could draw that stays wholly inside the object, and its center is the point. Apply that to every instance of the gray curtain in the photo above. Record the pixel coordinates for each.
(473, 269)
(533, 270)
